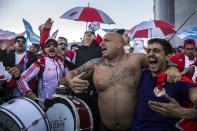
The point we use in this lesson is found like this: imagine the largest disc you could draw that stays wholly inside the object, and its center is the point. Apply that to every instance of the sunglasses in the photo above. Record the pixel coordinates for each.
(63, 44)
(49, 45)
(20, 41)
(89, 32)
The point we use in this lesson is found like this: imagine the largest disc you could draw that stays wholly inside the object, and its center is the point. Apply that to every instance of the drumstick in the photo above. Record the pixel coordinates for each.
(38, 99)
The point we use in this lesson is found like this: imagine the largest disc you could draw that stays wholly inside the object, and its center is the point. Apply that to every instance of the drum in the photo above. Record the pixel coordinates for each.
(22, 114)
(69, 114)
(191, 73)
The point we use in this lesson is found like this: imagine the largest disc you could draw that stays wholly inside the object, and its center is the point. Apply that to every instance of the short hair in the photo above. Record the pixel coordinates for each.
(74, 45)
(120, 31)
(19, 37)
(37, 46)
(89, 32)
(62, 38)
(180, 46)
(165, 44)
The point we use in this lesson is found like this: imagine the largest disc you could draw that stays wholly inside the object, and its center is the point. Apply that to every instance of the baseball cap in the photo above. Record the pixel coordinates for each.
(189, 42)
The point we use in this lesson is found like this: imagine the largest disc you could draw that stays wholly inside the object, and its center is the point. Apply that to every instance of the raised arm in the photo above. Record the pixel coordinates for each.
(75, 79)
(45, 33)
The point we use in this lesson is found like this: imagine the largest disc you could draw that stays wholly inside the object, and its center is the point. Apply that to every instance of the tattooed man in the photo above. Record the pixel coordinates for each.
(116, 76)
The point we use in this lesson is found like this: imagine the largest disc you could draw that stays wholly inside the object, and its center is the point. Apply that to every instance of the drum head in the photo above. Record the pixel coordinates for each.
(7, 123)
(61, 116)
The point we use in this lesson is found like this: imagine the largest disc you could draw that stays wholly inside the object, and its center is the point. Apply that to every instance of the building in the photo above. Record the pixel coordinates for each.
(176, 12)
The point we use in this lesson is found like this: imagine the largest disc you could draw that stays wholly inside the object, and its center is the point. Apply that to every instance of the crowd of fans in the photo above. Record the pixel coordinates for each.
(98, 73)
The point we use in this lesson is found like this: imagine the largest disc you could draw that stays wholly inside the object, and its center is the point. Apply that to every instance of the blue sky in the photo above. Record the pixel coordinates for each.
(125, 13)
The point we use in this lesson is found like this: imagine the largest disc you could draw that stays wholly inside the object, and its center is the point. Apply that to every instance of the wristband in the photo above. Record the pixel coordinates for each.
(170, 63)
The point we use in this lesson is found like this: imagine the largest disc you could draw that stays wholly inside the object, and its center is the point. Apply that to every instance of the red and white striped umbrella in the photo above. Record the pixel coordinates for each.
(153, 28)
(87, 14)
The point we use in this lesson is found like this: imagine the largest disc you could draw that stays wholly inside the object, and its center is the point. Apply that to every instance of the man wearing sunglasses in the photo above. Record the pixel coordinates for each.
(49, 69)
(14, 62)
(63, 49)
(54, 70)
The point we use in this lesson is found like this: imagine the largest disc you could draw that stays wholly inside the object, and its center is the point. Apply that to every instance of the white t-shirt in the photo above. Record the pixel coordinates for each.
(189, 62)
(18, 58)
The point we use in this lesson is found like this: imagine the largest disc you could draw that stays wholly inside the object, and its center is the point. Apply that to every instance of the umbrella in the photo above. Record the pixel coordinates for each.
(87, 14)
(153, 28)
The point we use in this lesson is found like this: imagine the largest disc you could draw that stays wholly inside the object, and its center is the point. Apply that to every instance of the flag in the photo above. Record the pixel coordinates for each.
(7, 35)
(194, 28)
(187, 34)
(99, 39)
(30, 34)
(94, 26)
(54, 35)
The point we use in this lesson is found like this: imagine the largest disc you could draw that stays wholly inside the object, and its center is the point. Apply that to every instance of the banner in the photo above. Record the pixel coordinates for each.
(30, 34)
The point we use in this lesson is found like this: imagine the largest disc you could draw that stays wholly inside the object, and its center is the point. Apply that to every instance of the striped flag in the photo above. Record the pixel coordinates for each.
(187, 34)
(30, 34)
(8, 35)
(54, 35)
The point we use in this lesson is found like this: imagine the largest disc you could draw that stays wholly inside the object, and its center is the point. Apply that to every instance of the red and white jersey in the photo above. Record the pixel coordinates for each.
(53, 71)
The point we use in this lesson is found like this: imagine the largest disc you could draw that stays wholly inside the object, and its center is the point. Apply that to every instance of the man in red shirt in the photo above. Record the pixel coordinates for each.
(188, 58)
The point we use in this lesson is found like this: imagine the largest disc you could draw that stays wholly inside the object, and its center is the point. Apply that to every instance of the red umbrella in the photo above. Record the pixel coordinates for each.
(153, 28)
(87, 14)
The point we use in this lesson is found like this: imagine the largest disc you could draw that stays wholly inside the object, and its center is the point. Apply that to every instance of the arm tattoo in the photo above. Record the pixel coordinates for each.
(97, 61)
(109, 65)
(82, 69)
(88, 66)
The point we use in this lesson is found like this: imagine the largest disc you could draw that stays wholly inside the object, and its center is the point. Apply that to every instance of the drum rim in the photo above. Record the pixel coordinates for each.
(66, 103)
(44, 116)
(17, 118)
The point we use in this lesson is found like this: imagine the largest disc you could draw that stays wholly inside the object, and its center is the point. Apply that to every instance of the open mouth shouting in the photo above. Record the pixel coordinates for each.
(153, 62)
(104, 50)
(51, 52)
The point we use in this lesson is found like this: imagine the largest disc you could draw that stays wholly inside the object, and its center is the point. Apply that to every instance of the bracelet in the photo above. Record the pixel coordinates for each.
(170, 63)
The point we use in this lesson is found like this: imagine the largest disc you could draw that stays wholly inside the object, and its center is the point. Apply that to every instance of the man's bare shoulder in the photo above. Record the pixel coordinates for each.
(139, 59)
(97, 61)
(138, 56)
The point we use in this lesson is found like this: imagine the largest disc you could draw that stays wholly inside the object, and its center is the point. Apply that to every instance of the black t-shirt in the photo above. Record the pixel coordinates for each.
(86, 53)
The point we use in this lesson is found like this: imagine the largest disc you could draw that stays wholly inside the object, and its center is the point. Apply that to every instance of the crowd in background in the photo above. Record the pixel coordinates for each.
(48, 62)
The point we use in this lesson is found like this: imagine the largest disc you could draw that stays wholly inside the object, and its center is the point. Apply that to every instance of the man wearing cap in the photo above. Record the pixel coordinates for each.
(52, 68)
(14, 62)
(188, 58)
(52, 73)
(184, 61)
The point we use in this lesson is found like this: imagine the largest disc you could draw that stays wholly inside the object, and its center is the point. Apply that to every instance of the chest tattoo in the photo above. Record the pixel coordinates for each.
(108, 65)
(118, 75)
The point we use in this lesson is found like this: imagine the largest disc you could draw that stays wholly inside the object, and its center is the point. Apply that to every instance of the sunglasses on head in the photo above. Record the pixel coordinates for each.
(49, 45)
(89, 32)
(63, 44)
(20, 41)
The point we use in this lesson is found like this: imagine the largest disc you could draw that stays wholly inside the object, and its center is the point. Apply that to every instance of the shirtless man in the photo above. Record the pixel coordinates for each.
(116, 76)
